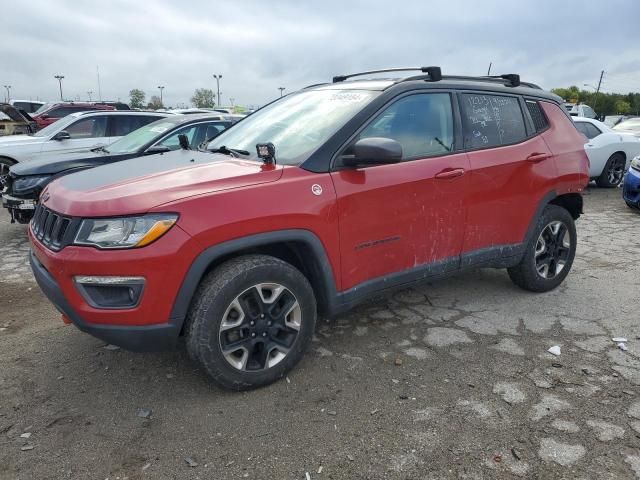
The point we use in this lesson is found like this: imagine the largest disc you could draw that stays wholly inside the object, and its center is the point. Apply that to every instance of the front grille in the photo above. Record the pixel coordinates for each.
(52, 229)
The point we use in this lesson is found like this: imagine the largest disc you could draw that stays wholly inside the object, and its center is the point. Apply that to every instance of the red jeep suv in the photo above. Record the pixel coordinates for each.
(52, 112)
(312, 204)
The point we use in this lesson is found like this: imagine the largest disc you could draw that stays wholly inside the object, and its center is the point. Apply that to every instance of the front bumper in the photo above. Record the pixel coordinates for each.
(20, 209)
(135, 338)
(631, 187)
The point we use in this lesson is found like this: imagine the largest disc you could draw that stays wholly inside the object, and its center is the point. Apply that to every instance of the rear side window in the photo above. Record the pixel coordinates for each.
(537, 115)
(491, 120)
(588, 129)
(123, 124)
(422, 124)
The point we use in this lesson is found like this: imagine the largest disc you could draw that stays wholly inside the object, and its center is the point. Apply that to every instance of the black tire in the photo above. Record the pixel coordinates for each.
(613, 172)
(234, 284)
(527, 274)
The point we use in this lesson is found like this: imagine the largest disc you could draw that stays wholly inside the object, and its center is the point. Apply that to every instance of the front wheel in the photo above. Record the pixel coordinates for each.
(613, 172)
(251, 321)
(549, 253)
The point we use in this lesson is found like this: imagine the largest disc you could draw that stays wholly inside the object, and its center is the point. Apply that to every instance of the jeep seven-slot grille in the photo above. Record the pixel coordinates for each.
(50, 227)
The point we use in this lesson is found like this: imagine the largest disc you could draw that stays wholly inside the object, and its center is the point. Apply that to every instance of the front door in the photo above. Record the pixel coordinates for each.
(86, 133)
(406, 216)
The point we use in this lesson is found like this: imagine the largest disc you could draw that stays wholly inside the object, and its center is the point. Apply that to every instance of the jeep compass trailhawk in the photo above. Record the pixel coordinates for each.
(317, 201)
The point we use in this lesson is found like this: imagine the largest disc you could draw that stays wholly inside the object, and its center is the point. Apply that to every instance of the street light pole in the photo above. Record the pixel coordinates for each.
(89, 93)
(8, 87)
(59, 78)
(218, 78)
(161, 88)
(282, 89)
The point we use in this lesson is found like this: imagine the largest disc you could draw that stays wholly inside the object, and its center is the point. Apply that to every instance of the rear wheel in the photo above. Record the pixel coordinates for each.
(251, 321)
(613, 172)
(549, 253)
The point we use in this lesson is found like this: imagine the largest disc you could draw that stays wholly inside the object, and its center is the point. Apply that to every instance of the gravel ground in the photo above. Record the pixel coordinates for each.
(448, 380)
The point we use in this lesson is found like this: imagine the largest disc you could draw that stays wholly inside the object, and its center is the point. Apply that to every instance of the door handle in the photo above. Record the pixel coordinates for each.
(538, 157)
(450, 173)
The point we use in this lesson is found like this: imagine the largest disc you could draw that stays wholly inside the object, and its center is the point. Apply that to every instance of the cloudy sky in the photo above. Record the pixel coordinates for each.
(258, 46)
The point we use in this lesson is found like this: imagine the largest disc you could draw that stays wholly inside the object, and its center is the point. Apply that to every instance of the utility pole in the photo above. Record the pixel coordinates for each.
(282, 89)
(99, 86)
(489, 71)
(89, 94)
(8, 87)
(59, 78)
(595, 101)
(161, 88)
(218, 78)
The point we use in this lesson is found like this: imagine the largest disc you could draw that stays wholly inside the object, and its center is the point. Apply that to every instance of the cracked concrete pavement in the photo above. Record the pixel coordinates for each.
(451, 379)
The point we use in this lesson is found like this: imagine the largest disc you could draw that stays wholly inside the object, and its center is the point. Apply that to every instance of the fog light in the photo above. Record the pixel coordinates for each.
(107, 292)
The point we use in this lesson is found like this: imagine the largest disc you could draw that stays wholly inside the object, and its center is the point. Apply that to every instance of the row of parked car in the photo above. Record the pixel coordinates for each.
(88, 139)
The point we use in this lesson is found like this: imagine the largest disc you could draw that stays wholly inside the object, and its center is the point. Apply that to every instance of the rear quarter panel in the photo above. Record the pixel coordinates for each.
(567, 146)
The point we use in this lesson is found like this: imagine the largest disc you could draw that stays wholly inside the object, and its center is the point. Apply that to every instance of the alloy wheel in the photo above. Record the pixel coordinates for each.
(552, 249)
(259, 327)
(616, 173)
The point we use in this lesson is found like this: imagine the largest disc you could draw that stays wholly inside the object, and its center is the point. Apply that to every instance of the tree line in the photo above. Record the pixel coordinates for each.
(602, 103)
(202, 98)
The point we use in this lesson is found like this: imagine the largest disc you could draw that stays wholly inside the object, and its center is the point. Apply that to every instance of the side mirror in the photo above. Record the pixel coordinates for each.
(184, 142)
(62, 135)
(373, 151)
(157, 149)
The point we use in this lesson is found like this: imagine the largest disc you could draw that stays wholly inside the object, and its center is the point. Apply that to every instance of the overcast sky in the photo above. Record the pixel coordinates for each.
(258, 46)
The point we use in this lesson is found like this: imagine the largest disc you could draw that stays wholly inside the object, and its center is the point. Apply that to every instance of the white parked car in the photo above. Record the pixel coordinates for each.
(610, 151)
(580, 110)
(78, 132)
(629, 125)
(29, 106)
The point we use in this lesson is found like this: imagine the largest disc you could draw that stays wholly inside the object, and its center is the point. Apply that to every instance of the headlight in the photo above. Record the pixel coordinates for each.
(125, 232)
(20, 184)
(635, 163)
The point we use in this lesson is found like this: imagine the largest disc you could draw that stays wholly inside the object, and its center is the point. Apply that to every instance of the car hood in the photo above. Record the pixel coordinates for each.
(140, 184)
(13, 140)
(56, 163)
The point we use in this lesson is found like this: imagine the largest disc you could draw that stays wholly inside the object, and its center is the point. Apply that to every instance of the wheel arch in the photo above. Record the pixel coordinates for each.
(572, 202)
(12, 160)
(301, 248)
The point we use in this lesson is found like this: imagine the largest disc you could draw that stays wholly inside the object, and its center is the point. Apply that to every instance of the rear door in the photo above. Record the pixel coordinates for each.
(511, 171)
(121, 125)
(402, 217)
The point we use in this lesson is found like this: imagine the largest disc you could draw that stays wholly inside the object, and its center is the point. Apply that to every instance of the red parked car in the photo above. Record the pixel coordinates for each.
(52, 112)
(312, 204)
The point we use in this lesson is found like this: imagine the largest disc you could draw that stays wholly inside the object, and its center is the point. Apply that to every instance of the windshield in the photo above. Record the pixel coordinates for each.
(56, 127)
(628, 125)
(297, 124)
(43, 108)
(137, 139)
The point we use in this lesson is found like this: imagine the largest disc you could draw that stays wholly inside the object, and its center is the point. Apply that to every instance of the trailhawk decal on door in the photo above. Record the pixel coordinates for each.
(373, 243)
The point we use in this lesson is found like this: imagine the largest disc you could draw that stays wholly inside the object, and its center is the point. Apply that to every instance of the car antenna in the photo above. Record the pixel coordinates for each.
(184, 142)
(267, 152)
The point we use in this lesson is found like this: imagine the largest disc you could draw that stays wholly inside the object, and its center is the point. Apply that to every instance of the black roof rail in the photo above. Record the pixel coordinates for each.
(434, 73)
(508, 80)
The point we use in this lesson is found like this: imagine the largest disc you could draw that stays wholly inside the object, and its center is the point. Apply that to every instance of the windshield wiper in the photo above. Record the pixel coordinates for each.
(233, 152)
(100, 149)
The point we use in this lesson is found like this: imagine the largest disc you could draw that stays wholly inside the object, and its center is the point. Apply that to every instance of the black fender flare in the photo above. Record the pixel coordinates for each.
(323, 270)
